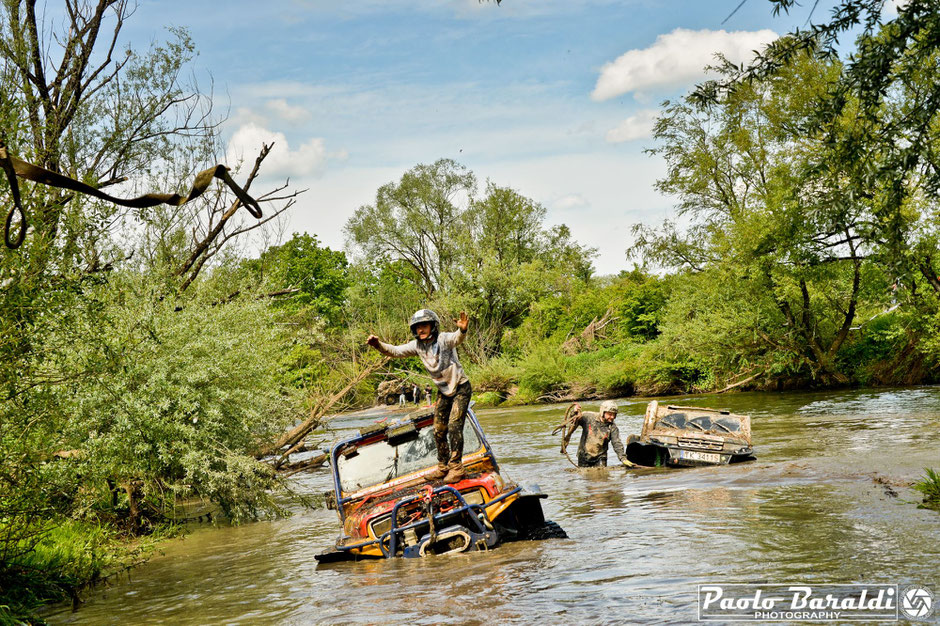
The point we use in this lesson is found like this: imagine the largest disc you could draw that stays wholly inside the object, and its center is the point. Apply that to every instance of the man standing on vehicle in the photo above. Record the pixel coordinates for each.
(597, 429)
(438, 353)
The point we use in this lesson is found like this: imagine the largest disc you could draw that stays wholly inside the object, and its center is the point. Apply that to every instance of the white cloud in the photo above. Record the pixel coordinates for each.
(287, 112)
(307, 160)
(569, 202)
(639, 126)
(676, 59)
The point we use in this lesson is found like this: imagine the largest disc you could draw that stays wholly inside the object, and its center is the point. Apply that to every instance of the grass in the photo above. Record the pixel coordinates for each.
(929, 485)
(69, 556)
(488, 399)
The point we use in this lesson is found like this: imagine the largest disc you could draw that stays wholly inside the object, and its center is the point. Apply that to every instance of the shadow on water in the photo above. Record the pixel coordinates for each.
(828, 500)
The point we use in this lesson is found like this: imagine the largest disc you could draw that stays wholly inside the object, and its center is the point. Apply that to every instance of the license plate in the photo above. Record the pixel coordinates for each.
(705, 457)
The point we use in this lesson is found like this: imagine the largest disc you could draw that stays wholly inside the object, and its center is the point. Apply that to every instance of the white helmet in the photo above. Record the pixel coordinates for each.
(425, 315)
(608, 406)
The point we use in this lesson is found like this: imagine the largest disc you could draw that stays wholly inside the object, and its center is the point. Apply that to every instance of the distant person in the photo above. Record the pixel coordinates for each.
(416, 395)
(438, 353)
(401, 399)
(597, 430)
(427, 395)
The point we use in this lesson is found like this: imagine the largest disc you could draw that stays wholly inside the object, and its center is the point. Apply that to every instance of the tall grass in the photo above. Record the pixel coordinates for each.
(68, 556)
(929, 485)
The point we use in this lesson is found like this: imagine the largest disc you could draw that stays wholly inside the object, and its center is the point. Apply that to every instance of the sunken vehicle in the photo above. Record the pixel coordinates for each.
(388, 509)
(690, 436)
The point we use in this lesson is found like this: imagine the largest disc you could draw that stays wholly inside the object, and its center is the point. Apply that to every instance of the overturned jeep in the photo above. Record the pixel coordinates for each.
(690, 436)
(388, 509)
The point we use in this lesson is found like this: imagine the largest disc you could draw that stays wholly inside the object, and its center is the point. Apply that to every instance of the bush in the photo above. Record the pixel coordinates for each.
(498, 374)
(489, 399)
(171, 400)
(609, 371)
(542, 371)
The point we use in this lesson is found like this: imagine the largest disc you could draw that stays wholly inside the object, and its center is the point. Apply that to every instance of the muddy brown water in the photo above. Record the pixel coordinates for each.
(828, 500)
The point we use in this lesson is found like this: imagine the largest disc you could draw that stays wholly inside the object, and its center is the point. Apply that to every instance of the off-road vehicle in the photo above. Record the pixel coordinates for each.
(690, 435)
(387, 507)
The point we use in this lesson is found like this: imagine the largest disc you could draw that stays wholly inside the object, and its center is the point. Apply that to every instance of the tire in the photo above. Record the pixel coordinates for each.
(549, 530)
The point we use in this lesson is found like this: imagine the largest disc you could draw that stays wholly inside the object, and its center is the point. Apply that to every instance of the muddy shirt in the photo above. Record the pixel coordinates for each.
(439, 358)
(595, 434)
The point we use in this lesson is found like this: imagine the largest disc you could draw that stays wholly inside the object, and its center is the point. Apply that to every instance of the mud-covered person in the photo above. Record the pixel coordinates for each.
(597, 430)
(438, 353)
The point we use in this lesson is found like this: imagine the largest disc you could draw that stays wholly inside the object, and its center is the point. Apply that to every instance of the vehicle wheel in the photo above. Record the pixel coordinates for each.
(549, 530)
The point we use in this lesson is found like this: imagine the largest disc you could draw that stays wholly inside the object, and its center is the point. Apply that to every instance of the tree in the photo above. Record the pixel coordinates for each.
(738, 167)
(311, 276)
(416, 221)
(493, 257)
(100, 311)
(510, 260)
(890, 90)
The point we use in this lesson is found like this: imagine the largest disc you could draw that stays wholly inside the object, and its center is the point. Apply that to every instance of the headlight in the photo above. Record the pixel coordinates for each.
(381, 525)
(474, 496)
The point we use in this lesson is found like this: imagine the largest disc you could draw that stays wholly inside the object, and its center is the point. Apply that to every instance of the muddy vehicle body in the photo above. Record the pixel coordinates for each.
(389, 391)
(687, 436)
(388, 509)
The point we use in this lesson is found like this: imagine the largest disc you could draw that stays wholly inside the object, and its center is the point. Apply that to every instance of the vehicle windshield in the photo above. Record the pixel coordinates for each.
(381, 462)
(714, 423)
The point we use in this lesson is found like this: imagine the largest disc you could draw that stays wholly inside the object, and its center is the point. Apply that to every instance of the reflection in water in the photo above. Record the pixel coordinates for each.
(808, 510)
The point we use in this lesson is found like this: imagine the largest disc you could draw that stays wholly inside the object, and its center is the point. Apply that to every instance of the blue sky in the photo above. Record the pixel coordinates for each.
(552, 98)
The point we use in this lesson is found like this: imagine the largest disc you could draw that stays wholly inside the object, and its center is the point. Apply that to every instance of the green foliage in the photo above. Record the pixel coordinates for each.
(319, 275)
(66, 556)
(929, 485)
(498, 374)
(607, 372)
(543, 371)
(416, 221)
(491, 256)
(173, 397)
(488, 399)
(635, 300)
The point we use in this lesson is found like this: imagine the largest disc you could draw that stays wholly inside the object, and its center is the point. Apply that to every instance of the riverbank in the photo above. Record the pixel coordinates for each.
(68, 559)
(628, 370)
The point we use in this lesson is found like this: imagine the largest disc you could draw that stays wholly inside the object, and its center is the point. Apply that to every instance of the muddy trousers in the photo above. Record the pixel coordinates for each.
(449, 416)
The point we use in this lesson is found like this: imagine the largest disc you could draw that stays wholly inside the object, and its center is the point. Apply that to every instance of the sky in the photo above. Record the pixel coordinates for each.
(555, 99)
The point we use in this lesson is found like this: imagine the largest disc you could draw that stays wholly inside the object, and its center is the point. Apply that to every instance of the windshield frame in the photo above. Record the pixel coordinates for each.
(369, 438)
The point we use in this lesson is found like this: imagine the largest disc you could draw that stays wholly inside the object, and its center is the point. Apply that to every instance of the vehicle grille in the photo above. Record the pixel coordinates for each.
(700, 444)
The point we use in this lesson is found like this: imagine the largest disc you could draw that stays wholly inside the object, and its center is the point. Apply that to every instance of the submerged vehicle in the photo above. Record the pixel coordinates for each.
(690, 436)
(388, 508)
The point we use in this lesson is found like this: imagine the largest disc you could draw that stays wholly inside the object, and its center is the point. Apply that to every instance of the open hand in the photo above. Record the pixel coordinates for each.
(464, 322)
(373, 341)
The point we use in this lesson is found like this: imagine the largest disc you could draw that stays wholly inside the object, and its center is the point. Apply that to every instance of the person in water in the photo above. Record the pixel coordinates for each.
(597, 430)
(438, 353)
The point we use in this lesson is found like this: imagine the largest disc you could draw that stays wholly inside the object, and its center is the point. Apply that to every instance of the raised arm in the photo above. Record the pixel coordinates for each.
(456, 338)
(396, 352)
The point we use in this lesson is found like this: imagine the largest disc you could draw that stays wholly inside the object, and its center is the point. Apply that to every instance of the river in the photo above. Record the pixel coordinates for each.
(826, 501)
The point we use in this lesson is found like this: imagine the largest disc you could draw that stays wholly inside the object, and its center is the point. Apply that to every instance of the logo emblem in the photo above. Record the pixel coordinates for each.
(917, 603)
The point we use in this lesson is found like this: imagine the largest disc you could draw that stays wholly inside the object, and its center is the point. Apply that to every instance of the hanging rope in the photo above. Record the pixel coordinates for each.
(572, 415)
(14, 167)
